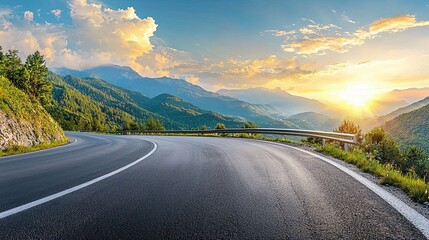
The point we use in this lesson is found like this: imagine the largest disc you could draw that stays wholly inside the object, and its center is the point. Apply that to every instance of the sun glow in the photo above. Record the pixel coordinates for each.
(358, 95)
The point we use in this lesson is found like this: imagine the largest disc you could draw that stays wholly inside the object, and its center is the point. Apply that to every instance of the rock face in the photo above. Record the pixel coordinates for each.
(24, 122)
(22, 132)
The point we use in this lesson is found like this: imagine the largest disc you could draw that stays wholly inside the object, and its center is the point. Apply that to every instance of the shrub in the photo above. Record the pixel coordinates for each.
(348, 126)
(413, 156)
(388, 151)
(249, 124)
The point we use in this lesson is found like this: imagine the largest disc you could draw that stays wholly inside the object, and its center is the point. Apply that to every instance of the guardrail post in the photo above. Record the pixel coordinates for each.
(346, 146)
(323, 142)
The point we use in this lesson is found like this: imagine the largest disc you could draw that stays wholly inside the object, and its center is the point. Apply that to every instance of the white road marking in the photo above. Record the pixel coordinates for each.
(73, 189)
(418, 220)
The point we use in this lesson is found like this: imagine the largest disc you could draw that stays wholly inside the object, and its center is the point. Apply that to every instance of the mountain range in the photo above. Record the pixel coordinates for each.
(266, 107)
(378, 121)
(94, 104)
(127, 78)
(282, 101)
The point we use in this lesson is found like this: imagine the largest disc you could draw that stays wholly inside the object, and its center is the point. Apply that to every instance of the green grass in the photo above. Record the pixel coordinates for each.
(415, 187)
(17, 149)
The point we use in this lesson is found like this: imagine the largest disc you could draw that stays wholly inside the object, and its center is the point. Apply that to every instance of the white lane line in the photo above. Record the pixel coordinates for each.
(418, 220)
(73, 189)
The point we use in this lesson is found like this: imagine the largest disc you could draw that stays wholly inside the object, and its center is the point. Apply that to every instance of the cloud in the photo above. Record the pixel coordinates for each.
(96, 35)
(347, 19)
(28, 15)
(57, 13)
(280, 33)
(395, 24)
(166, 61)
(307, 31)
(237, 73)
(343, 42)
(320, 45)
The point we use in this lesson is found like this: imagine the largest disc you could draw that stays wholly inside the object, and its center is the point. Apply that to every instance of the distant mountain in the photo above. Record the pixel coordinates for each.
(411, 128)
(314, 121)
(125, 77)
(380, 107)
(279, 99)
(378, 121)
(409, 95)
(92, 103)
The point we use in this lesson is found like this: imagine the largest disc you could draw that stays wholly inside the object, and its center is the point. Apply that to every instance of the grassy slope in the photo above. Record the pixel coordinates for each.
(30, 116)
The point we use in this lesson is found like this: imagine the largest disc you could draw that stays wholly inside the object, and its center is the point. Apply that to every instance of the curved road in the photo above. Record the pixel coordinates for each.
(190, 187)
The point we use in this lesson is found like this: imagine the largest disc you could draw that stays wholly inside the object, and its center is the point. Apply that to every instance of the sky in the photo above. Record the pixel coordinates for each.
(318, 49)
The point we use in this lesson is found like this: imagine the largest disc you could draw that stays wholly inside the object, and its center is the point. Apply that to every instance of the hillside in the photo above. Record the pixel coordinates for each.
(281, 100)
(125, 77)
(94, 104)
(22, 121)
(378, 121)
(411, 128)
(314, 121)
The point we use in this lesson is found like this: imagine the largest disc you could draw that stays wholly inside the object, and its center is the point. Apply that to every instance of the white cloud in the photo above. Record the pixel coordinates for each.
(57, 13)
(96, 35)
(347, 19)
(342, 42)
(29, 16)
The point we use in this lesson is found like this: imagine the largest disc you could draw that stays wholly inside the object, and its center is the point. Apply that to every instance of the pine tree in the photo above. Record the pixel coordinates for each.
(38, 87)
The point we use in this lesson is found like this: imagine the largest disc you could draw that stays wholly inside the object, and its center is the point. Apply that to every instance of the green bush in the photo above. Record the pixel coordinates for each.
(414, 186)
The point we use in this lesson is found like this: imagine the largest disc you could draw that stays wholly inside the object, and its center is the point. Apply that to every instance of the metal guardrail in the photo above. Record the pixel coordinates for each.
(340, 137)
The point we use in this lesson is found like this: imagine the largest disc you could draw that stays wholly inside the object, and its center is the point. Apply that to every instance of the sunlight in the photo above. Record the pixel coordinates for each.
(358, 95)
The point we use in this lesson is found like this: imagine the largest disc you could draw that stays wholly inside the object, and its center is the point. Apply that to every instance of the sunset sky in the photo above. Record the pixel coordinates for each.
(318, 49)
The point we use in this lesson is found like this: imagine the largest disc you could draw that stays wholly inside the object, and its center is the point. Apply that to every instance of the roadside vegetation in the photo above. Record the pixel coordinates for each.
(18, 149)
(379, 154)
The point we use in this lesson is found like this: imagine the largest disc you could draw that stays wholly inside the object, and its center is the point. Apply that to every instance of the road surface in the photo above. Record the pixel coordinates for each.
(190, 187)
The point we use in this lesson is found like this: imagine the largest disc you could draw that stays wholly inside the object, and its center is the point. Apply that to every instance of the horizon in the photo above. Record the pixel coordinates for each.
(311, 49)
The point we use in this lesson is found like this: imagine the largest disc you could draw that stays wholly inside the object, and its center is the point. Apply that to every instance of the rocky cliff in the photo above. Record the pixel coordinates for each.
(22, 121)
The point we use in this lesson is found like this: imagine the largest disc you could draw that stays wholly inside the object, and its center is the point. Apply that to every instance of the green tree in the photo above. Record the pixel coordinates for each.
(388, 151)
(204, 127)
(347, 126)
(422, 169)
(220, 126)
(134, 126)
(38, 86)
(249, 124)
(413, 156)
(373, 138)
(15, 71)
(154, 124)
(2, 63)
(126, 127)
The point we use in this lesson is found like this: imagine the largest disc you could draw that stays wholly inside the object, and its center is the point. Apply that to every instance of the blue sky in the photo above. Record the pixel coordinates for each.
(233, 44)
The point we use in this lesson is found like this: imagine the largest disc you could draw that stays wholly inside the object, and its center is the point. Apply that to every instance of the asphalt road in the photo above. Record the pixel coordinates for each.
(190, 187)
